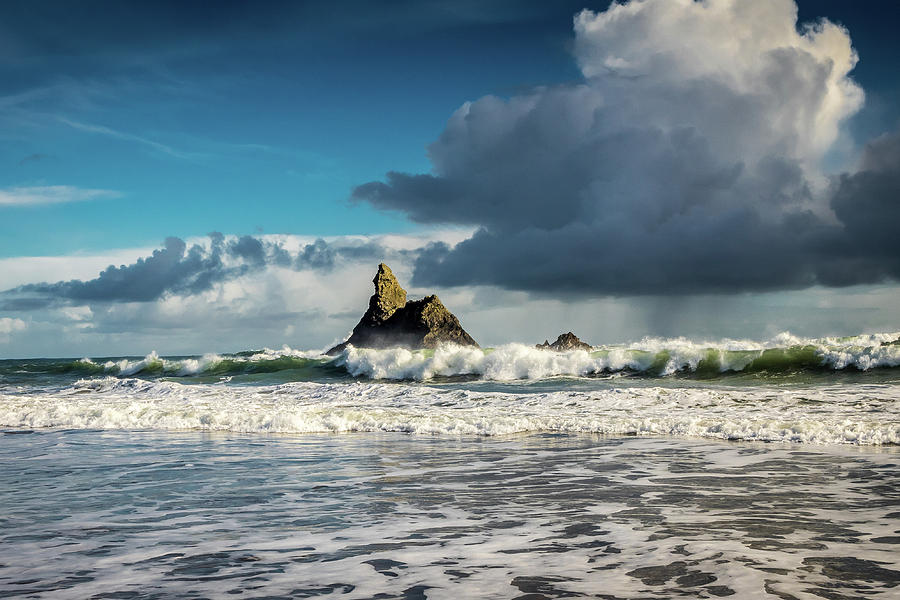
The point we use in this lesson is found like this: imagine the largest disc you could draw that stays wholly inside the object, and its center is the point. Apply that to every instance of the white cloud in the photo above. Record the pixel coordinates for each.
(20, 270)
(8, 326)
(798, 80)
(689, 159)
(51, 194)
(269, 306)
(315, 308)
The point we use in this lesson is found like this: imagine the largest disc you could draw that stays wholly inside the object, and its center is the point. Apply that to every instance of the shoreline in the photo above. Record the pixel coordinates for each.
(358, 515)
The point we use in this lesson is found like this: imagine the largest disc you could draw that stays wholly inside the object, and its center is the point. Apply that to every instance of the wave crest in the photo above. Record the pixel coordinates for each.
(650, 357)
(862, 415)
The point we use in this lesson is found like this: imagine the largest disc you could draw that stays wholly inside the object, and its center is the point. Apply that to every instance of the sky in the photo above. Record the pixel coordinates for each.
(189, 177)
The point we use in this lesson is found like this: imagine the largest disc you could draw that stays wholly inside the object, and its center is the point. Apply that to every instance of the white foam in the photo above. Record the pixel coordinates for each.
(130, 367)
(285, 351)
(840, 414)
(505, 363)
(509, 362)
(194, 366)
(861, 357)
(517, 361)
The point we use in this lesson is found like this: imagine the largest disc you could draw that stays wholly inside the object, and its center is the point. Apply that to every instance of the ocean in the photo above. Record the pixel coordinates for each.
(663, 468)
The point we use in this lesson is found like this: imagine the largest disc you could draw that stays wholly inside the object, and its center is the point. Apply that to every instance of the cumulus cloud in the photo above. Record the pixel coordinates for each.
(687, 160)
(177, 269)
(8, 326)
(250, 249)
(50, 194)
(293, 297)
(310, 307)
(173, 268)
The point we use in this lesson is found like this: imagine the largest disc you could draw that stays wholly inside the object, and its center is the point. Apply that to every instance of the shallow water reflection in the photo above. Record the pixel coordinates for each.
(91, 514)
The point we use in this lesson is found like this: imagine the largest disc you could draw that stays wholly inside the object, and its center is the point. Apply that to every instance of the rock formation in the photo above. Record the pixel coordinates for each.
(392, 321)
(566, 341)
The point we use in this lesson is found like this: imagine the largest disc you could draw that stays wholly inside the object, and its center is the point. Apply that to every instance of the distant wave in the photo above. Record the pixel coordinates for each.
(650, 357)
(839, 414)
(263, 361)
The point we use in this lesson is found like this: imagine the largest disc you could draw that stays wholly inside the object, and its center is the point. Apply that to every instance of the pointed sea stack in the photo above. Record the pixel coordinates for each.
(565, 342)
(392, 321)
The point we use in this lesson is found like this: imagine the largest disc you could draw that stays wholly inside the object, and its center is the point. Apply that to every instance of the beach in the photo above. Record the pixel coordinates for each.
(657, 469)
(113, 514)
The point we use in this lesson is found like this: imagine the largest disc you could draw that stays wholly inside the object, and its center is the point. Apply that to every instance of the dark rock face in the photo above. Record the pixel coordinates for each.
(392, 321)
(566, 341)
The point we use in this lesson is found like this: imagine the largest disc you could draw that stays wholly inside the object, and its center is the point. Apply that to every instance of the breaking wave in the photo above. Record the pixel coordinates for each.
(651, 357)
(263, 361)
(840, 414)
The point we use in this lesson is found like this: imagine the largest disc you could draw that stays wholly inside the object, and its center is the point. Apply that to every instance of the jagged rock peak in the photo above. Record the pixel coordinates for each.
(389, 296)
(392, 321)
(566, 341)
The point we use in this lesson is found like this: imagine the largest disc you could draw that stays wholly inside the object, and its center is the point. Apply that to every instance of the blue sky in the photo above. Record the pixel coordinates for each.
(254, 117)
(124, 123)
(262, 119)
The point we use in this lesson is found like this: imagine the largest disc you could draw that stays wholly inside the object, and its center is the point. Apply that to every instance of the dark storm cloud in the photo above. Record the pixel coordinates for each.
(176, 269)
(323, 256)
(249, 248)
(661, 174)
(705, 226)
(867, 203)
(318, 255)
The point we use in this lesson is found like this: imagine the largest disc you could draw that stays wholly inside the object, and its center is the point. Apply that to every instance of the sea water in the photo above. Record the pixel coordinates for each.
(665, 468)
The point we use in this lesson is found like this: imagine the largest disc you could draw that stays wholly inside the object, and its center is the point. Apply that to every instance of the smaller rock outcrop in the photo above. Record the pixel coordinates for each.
(566, 341)
(392, 321)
